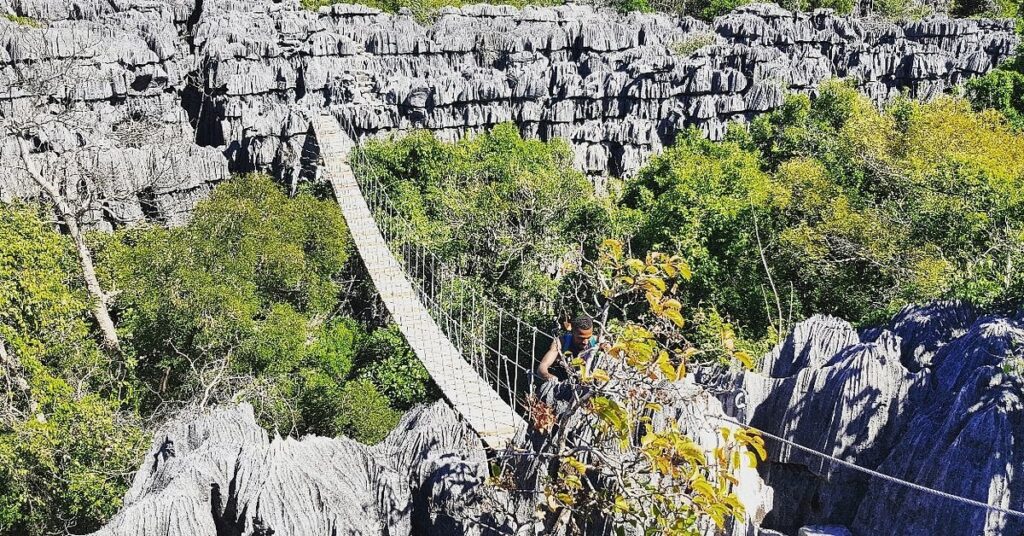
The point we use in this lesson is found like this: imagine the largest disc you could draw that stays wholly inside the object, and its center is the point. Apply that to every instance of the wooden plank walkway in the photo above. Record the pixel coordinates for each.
(490, 416)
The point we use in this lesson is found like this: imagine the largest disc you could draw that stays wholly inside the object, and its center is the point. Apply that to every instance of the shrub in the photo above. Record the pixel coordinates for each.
(1001, 90)
(693, 44)
(365, 414)
(68, 440)
(387, 361)
(24, 21)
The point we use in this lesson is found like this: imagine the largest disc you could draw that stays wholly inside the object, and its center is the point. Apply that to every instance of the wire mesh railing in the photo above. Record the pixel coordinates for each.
(500, 346)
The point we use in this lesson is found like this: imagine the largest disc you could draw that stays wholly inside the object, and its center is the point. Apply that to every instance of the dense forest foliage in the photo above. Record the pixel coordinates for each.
(833, 206)
(826, 205)
(251, 301)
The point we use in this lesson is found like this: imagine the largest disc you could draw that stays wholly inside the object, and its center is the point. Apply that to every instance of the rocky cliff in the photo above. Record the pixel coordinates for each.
(138, 105)
(218, 473)
(933, 398)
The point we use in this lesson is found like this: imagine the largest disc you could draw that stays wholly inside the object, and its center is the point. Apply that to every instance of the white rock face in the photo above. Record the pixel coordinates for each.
(219, 473)
(197, 89)
(608, 83)
(925, 399)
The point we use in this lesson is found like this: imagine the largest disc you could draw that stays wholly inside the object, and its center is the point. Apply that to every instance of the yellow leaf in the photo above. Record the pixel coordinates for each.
(745, 359)
(684, 269)
(675, 317)
(758, 445)
(613, 248)
(621, 504)
(655, 301)
(579, 466)
(681, 371)
(703, 487)
(600, 375)
(565, 498)
(550, 501)
(666, 366)
(635, 266)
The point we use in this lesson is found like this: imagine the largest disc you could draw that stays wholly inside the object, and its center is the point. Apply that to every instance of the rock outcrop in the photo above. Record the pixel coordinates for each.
(930, 398)
(218, 473)
(137, 106)
(90, 89)
(618, 87)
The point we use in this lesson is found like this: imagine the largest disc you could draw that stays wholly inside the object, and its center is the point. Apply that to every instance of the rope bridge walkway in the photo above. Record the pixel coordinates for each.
(474, 351)
(479, 355)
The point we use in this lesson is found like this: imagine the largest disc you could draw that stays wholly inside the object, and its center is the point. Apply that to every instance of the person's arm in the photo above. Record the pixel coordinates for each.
(549, 359)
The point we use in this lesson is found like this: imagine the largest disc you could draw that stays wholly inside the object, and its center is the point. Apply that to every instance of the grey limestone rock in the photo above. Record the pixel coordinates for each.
(218, 473)
(93, 91)
(555, 70)
(244, 78)
(926, 398)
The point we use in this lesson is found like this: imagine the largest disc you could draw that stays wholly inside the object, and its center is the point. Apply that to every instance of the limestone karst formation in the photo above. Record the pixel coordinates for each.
(218, 473)
(926, 398)
(933, 397)
(157, 100)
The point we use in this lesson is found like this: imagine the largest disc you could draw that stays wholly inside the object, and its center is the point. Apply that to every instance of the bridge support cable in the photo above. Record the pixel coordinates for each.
(486, 373)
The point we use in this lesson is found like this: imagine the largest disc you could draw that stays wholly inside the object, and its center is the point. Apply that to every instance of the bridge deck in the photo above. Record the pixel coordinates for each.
(490, 416)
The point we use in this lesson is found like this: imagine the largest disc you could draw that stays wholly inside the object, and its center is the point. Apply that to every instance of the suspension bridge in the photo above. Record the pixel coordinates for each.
(478, 354)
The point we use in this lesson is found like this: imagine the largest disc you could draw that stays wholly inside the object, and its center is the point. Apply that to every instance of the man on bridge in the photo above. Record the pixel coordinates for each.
(579, 342)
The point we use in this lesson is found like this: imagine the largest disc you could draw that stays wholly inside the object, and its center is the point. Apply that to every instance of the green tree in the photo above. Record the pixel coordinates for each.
(1002, 90)
(386, 360)
(884, 207)
(246, 290)
(711, 203)
(365, 413)
(509, 213)
(68, 442)
(835, 206)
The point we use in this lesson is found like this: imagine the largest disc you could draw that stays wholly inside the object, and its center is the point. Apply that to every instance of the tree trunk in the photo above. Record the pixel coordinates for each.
(92, 283)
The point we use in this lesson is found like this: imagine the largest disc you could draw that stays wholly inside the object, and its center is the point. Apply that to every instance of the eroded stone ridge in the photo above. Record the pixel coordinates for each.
(96, 88)
(933, 398)
(618, 87)
(169, 95)
(219, 473)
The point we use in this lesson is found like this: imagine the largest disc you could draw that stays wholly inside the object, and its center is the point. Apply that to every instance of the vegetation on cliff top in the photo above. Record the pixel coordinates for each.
(834, 206)
(250, 301)
(825, 206)
(829, 205)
